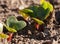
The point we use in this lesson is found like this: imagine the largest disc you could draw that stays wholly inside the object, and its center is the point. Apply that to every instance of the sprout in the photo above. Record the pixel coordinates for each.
(13, 25)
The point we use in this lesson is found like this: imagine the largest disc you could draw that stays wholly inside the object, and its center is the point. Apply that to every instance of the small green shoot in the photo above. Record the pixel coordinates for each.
(14, 24)
(40, 12)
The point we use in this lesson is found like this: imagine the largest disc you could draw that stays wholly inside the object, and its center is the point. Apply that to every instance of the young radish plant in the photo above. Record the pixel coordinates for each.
(13, 25)
(38, 12)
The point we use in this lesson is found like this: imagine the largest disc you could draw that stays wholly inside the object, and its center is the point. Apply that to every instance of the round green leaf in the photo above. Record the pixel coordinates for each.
(14, 24)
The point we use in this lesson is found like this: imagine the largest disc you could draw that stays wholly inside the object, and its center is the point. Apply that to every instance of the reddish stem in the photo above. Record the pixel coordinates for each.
(37, 26)
(10, 37)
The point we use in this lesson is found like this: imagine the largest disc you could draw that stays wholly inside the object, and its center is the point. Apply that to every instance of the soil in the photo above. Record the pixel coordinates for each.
(49, 33)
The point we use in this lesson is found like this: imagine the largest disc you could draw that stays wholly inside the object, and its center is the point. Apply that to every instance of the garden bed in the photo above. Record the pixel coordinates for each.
(48, 33)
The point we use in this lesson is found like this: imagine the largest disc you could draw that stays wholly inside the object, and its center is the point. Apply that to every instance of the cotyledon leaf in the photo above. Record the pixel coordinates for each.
(38, 21)
(27, 10)
(46, 5)
(15, 24)
(11, 19)
(2, 35)
(44, 10)
(9, 28)
(41, 12)
(18, 25)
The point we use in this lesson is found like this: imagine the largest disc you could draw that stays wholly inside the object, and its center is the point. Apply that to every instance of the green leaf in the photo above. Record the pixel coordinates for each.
(31, 11)
(18, 25)
(41, 11)
(9, 28)
(44, 10)
(3, 35)
(11, 19)
(35, 10)
(38, 21)
(46, 5)
(27, 11)
(15, 24)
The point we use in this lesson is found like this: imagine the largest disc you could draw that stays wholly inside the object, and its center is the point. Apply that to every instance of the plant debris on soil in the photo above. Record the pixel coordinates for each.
(47, 34)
